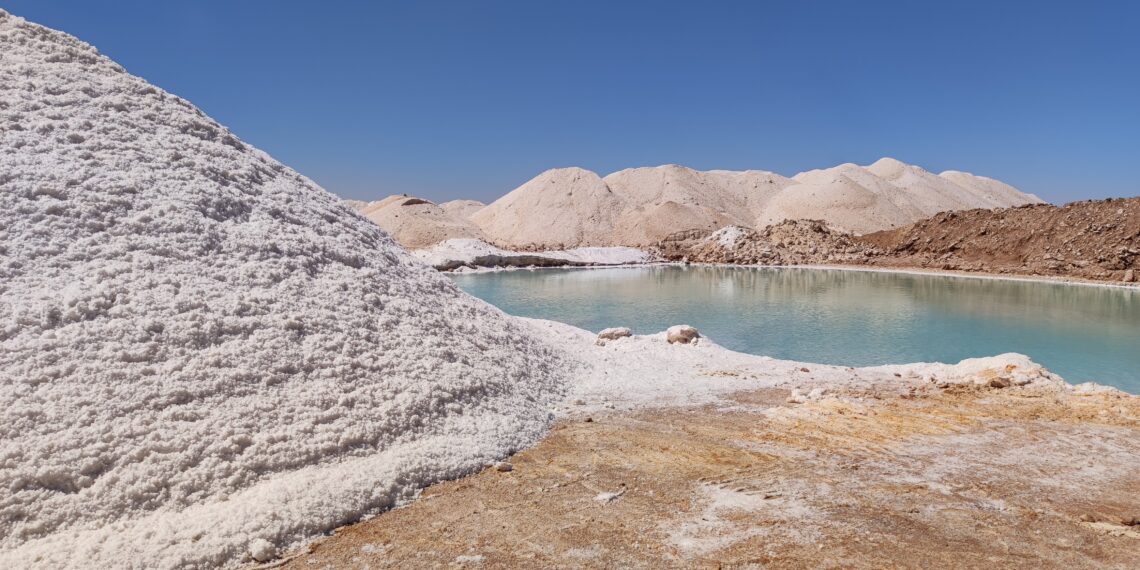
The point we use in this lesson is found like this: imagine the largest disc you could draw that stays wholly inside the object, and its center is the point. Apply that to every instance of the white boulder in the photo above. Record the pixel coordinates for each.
(262, 550)
(683, 334)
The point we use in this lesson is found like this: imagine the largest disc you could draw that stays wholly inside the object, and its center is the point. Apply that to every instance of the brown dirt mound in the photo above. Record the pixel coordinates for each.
(1094, 240)
(1089, 240)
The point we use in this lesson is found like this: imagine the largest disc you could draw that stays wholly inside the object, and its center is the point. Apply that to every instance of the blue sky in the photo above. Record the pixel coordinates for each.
(470, 99)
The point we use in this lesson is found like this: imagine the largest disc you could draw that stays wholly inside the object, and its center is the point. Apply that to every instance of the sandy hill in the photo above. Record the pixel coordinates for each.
(886, 194)
(564, 207)
(666, 199)
(194, 337)
(642, 206)
(418, 223)
(462, 208)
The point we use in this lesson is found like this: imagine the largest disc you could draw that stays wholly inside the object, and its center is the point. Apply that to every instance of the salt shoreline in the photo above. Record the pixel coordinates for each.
(644, 374)
(1056, 280)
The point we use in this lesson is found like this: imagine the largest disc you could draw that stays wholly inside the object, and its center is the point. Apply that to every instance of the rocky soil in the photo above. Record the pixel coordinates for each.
(1089, 240)
(791, 242)
(1094, 240)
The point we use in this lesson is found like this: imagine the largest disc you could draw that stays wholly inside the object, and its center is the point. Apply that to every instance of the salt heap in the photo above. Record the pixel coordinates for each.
(560, 208)
(417, 223)
(204, 356)
(639, 207)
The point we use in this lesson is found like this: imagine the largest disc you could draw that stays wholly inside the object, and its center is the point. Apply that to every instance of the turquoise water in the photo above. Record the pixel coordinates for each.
(853, 318)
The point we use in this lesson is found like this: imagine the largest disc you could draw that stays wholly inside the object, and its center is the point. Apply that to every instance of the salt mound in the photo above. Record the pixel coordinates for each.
(643, 206)
(885, 194)
(462, 209)
(201, 350)
(847, 196)
(669, 199)
(563, 207)
(417, 223)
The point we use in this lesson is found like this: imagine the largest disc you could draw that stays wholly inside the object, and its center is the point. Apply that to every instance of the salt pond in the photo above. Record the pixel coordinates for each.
(856, 318)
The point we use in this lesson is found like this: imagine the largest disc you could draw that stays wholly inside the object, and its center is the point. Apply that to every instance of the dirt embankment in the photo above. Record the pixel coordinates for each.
(1089, 240)
(1096, 240)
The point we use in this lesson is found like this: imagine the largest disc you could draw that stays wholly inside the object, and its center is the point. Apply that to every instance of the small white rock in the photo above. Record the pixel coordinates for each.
(683, 334)
(504, 466)
(609, 497)
(262, 550)
(796, 397)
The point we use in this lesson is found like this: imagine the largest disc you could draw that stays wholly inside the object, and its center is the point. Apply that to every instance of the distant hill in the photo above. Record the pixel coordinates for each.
(574, 207)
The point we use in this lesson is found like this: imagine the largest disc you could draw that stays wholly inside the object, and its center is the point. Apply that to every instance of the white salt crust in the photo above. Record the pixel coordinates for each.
(201, 350)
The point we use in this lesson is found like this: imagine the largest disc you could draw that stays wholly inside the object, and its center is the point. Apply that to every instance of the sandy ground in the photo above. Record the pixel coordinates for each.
(888, 475)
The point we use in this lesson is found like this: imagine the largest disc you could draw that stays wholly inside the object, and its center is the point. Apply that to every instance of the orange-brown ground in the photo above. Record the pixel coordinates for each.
(960, 477)
(1098, 239)
(1090, 240)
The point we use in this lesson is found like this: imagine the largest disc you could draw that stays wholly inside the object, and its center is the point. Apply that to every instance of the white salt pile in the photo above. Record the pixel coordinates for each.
(561, 208)
(203, 355)
(569, 207)
(417, 223)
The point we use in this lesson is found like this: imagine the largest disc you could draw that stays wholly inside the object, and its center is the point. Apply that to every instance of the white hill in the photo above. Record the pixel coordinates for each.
(418, 223)
(564, 207)
(203, 355)
(462, 208)
(572, 207)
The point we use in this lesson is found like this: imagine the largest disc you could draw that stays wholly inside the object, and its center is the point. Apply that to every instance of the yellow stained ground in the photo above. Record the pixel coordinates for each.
(916, 478)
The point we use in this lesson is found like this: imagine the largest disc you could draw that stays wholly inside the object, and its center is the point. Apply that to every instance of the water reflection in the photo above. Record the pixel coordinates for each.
(844, 317)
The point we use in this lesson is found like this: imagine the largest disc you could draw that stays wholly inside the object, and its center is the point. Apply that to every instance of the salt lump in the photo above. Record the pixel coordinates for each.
(203, 355)
(681, 334)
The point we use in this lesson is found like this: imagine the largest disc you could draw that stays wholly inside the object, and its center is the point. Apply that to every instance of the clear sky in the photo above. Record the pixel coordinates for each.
(471, 99)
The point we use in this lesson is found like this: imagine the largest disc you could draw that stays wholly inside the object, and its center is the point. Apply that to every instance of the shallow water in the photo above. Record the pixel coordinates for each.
(854, 318)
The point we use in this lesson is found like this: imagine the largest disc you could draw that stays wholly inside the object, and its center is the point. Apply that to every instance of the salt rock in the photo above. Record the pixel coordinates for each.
(262, 550)
(614, 333)
(683, 334)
